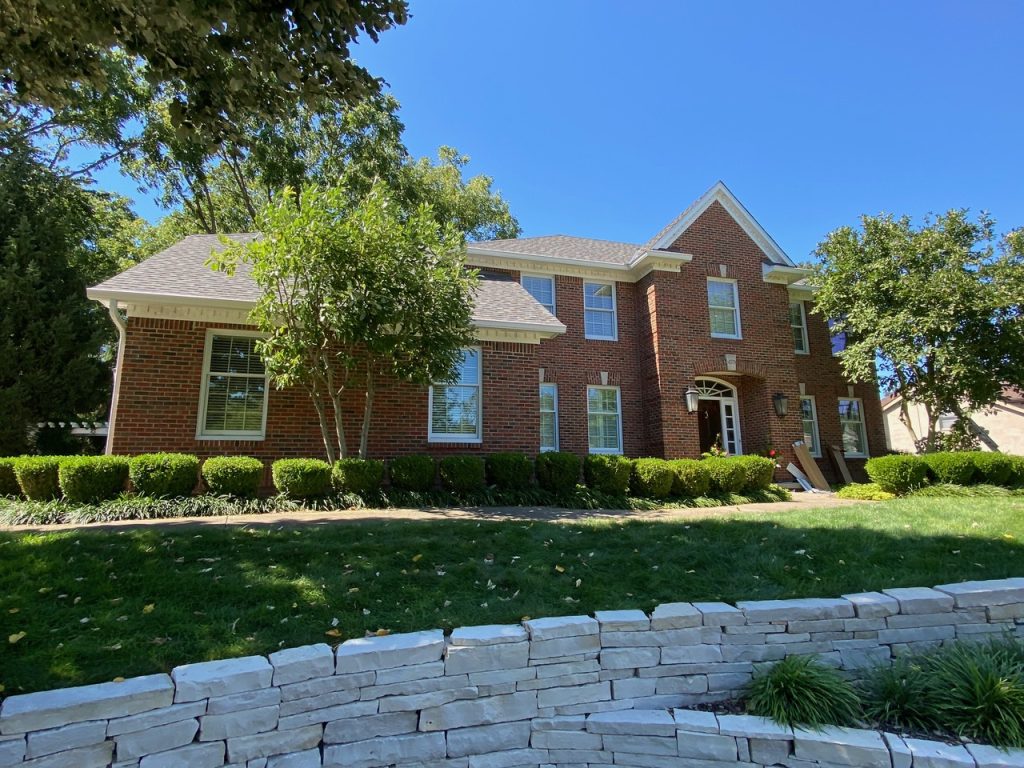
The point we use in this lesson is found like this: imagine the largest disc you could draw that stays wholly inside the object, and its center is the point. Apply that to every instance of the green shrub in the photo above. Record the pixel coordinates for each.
(952, 468)
(558, 472)
(897, 474)
(362, 476)
(87, 479)
(899, 696)
(412, 473)
(302, 478)
(651, 478)
(945, 490)
(692, 478)
(607, 473)
(462, 474)
(864, 492)
(37, 476)
(8, 480)
(509, 471)
(233, 475)
(992, 467)
(758, 472)
(802, 691)
(726, 475)
(163, 475)
(1016, 477)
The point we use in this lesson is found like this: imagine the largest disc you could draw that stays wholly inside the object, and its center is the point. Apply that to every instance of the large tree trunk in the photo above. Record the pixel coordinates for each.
(371, 390)
(325, 429)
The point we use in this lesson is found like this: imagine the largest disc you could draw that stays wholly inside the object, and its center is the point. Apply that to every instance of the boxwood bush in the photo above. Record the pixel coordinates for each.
(462, 474)
(87, 479)
(692, 478)
(992, 467)
(37, 476)
(302, 478)
(163, 475)
(758, 472)
(607, 473)
(412, 473)
(233, 475)
(897, 474)
(509, 471)
(8, 480)
(950, 467)
(558, 472)
(361, 476)
(1016, 470)
(727, 475)
(651, 478)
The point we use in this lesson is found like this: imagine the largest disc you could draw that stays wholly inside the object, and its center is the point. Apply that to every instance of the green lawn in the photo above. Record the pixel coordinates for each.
(98, 604)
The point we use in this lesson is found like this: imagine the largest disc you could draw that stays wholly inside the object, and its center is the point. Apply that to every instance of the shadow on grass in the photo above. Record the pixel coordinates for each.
(98, 604)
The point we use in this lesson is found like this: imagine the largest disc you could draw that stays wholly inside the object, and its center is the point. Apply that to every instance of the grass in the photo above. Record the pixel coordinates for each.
(98, 604)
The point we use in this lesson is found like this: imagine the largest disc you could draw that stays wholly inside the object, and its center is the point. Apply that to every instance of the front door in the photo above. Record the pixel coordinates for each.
(709, 424)
(718, 416)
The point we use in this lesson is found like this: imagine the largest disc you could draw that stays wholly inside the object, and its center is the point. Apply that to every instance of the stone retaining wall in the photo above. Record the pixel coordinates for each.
(568, 692)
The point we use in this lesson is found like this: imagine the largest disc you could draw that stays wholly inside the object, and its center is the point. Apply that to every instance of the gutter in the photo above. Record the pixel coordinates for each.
(122, 335)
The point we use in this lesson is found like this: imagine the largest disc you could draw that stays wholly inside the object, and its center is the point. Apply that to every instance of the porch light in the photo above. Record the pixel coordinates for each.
(781, 403)
(692, 400)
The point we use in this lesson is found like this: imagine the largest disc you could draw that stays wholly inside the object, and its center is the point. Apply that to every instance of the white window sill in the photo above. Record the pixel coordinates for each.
(549, 450)
(605, 451)
(855, 456)
(454, 439)
(234, 436)
(801, 351)
(726, 336)
(600, 338)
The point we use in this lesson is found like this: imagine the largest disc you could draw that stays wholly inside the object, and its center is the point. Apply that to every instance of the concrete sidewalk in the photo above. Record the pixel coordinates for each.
(801, 501)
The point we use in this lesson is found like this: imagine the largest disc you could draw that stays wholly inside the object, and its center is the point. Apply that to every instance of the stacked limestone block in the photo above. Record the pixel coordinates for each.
(568, 692)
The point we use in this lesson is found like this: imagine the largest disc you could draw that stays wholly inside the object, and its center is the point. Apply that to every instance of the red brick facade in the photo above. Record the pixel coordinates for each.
(663, 344)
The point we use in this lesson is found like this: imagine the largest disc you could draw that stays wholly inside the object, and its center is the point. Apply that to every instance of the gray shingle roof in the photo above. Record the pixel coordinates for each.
(181, 272)
(564, 247)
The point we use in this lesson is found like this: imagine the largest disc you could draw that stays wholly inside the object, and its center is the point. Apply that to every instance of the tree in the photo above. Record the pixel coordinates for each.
(939, 307)
(355, 291)
(222, 62)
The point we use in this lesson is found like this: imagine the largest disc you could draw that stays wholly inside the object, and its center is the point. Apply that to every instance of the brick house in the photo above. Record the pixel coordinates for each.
(584, 345)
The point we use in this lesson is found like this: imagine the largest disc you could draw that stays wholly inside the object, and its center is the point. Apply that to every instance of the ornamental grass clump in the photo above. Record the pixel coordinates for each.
(800, 691)
(899, 696)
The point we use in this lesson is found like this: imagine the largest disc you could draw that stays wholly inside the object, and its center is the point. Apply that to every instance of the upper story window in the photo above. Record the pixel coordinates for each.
(798, 323)
(851, 422)
(549, 417)
(599, 321)
(234, 391)
(724, 308)
(838, 339)
(454, 410)
(542, 289)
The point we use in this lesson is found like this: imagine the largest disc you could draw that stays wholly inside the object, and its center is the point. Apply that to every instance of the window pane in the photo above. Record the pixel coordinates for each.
(809, 419)
(602, 400)
(798, 339)
(852, 438)
(455, 410)
(796, 317)
(723, 321)
(547, 431)
(541, 288)
(597, 296)
(600, 323)
(547, 397)
(469, 371)
(721, 294)
(604, 432)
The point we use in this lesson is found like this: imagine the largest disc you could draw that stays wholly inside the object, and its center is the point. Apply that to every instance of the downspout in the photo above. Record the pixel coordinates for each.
(122, 334)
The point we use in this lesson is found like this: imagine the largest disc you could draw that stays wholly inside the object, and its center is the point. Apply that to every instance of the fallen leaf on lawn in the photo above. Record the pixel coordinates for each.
(118, 679)
(383, 632)
(560, 569)
(447, 603)
(13, 610)
(334, 622)
(333, 633)
(353, 589)
(12, 639)
(417, 558)
(159, 640)
(86, 620)
(77, 600)
(148, 607)
(44, 590)
(114, 647)
(366, 611)
(578, 582)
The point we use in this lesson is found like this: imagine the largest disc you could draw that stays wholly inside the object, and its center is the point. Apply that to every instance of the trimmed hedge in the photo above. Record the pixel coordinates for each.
(37, 476)
(509, 471)
(607, 473)
(302, 478)
(85, 479)
(691, 478)
(651, 478)
(361, 476)
(412, 473)
(462, 474)
(758, 471)
(727, 475)
(558, 472)
(897, 474)
(163, 475)
(950, 467)
(233, 475)
(994, 468)
(8, 480)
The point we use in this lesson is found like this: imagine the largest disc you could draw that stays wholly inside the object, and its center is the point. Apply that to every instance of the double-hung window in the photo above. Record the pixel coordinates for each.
(798, 323)
(599, 320)
(233, 403)
(455, 409)
(549, 417)
(724, 308)
(542, 289)
(851, 422)
(809, 418)
(604, 421)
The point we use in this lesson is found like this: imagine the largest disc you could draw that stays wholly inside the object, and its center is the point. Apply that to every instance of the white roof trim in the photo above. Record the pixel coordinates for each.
(721, 194)
(472, 250)
(778, 273)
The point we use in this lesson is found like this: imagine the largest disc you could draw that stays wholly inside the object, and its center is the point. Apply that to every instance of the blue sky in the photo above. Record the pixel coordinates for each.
(605, 119)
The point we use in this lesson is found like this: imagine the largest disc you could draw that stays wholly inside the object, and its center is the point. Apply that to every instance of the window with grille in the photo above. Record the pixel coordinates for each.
(809, 418)
(798, 323)
(599, 321)
(723, 308)
(455, 408)
(549, 417)
(542, 289)
(851, 421)
(604, 423)
(234, 397)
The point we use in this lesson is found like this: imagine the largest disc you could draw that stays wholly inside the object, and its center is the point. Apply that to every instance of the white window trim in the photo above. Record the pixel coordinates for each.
(447, 437)
(863, 428)
(204, 391)
(550, 279)
(736, 309)
(555, 388)
(803, 329)
(618, 410)
(814, 419)
(614, 310)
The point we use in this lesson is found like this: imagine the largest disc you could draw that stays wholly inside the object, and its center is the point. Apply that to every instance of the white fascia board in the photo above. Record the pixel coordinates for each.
(663, 255)
(143, 297)
(472, 251)
(543, 328)
(780, 273)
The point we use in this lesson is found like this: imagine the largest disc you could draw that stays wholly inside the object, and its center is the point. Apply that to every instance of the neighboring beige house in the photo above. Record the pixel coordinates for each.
(999, 428)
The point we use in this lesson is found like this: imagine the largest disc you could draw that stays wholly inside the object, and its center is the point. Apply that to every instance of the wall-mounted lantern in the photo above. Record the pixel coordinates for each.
(692, 400)
(781, 403)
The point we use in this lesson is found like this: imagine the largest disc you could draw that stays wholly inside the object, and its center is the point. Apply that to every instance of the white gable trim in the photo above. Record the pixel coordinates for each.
(720, 193)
